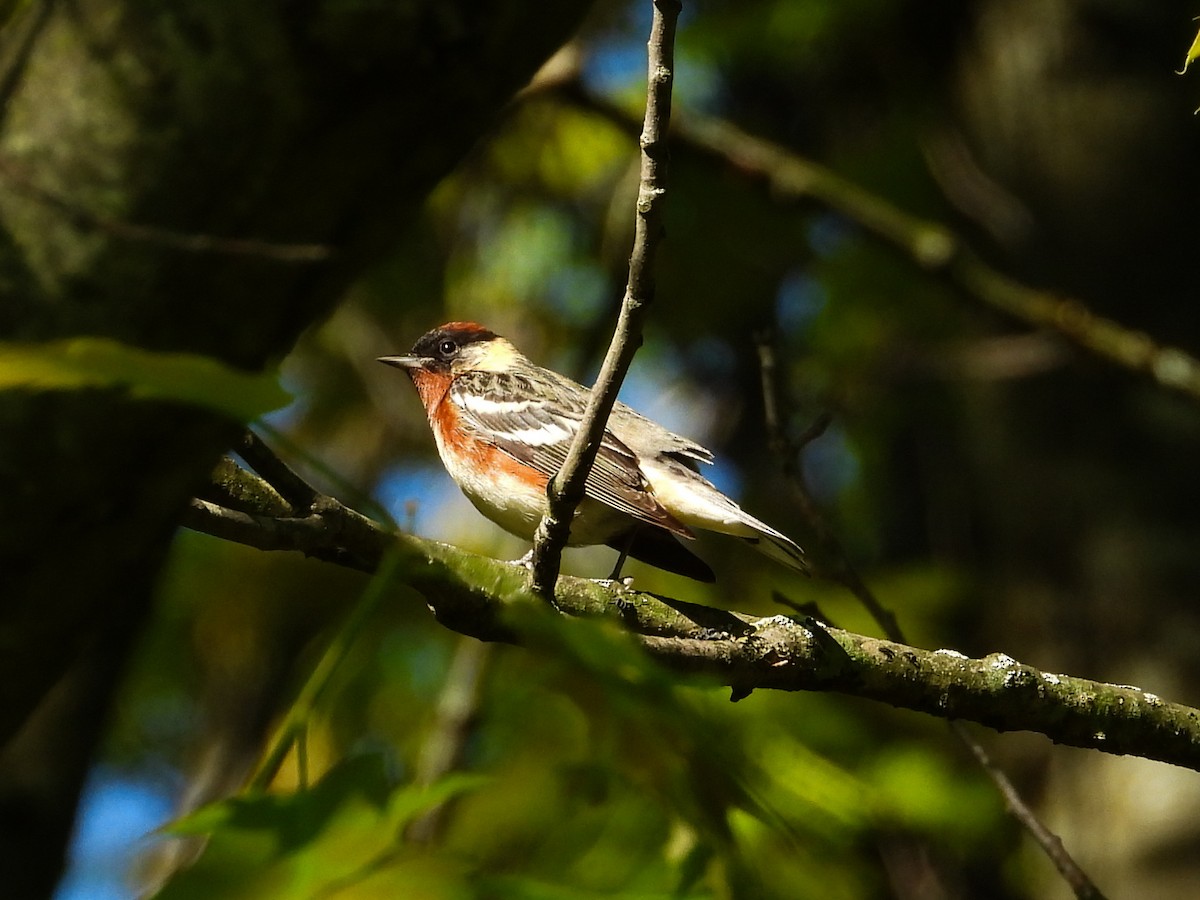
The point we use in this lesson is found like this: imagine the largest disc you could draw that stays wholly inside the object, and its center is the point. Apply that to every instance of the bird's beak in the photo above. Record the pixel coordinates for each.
(404, 362)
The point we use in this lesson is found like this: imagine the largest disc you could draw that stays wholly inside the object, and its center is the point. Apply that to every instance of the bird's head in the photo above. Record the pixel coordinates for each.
(451, 350)
(455, 348)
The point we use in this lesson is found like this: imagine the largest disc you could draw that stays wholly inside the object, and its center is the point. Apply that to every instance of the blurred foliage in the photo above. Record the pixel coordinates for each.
(92, 362)
(1040, 505)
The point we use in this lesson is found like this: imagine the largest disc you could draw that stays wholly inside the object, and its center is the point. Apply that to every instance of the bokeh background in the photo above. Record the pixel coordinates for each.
(999, 489)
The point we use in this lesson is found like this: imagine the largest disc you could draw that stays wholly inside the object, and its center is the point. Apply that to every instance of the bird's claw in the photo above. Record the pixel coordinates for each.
(625, 582)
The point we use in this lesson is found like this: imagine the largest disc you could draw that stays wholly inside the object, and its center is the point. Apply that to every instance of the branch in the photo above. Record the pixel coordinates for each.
(275, 472)
(565, 490)
(930, 245)
(478, 596)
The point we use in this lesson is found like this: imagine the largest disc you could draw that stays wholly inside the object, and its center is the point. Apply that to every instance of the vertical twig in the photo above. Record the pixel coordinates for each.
(842, 571)
(565, 490)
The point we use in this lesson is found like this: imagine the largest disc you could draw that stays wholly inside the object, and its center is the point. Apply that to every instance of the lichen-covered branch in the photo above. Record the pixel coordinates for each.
(476, 596)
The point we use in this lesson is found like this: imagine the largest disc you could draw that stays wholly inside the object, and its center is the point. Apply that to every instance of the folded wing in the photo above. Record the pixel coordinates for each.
(508, 412)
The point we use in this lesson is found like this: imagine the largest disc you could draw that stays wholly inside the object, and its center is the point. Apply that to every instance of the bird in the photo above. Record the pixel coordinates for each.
(503, 426)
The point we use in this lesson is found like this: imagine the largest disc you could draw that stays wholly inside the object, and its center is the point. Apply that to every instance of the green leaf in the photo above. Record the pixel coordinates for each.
(411, 802)
(294, 817)
(343, 837)
(96, 362)
(1193, 52)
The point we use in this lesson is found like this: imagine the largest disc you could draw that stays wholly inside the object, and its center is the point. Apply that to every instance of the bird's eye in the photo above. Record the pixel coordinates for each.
(447, 347)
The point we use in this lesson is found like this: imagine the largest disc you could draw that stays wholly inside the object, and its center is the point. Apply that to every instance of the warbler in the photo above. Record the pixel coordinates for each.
(503, 426)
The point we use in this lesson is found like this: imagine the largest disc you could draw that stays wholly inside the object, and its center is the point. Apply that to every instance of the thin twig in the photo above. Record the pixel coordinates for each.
(844, 572)
(834, 560)
(294, 489)
(566, 489)
(361, 499)
(1050, 842)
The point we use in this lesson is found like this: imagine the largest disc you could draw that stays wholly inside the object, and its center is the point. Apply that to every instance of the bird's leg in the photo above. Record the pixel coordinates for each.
(623, 555)
(526, 560)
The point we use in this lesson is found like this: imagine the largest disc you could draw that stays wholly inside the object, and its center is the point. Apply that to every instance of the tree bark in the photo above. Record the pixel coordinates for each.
(200, 177)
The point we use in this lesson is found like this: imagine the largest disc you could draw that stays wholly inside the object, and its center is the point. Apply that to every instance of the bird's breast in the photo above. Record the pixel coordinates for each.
(511, 493)
(431, 388)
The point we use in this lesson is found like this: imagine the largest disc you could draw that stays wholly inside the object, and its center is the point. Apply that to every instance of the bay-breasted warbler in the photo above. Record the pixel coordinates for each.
(503, 427)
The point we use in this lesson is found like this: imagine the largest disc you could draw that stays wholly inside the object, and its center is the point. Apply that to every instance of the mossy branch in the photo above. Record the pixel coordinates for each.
(477, 596)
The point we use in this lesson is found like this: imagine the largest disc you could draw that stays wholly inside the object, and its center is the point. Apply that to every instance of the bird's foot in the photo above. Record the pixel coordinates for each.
(526, 560)
(624, 582)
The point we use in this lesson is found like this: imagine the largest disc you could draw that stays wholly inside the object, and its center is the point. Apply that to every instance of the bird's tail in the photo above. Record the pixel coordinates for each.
(778, 547)
(695, 502)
